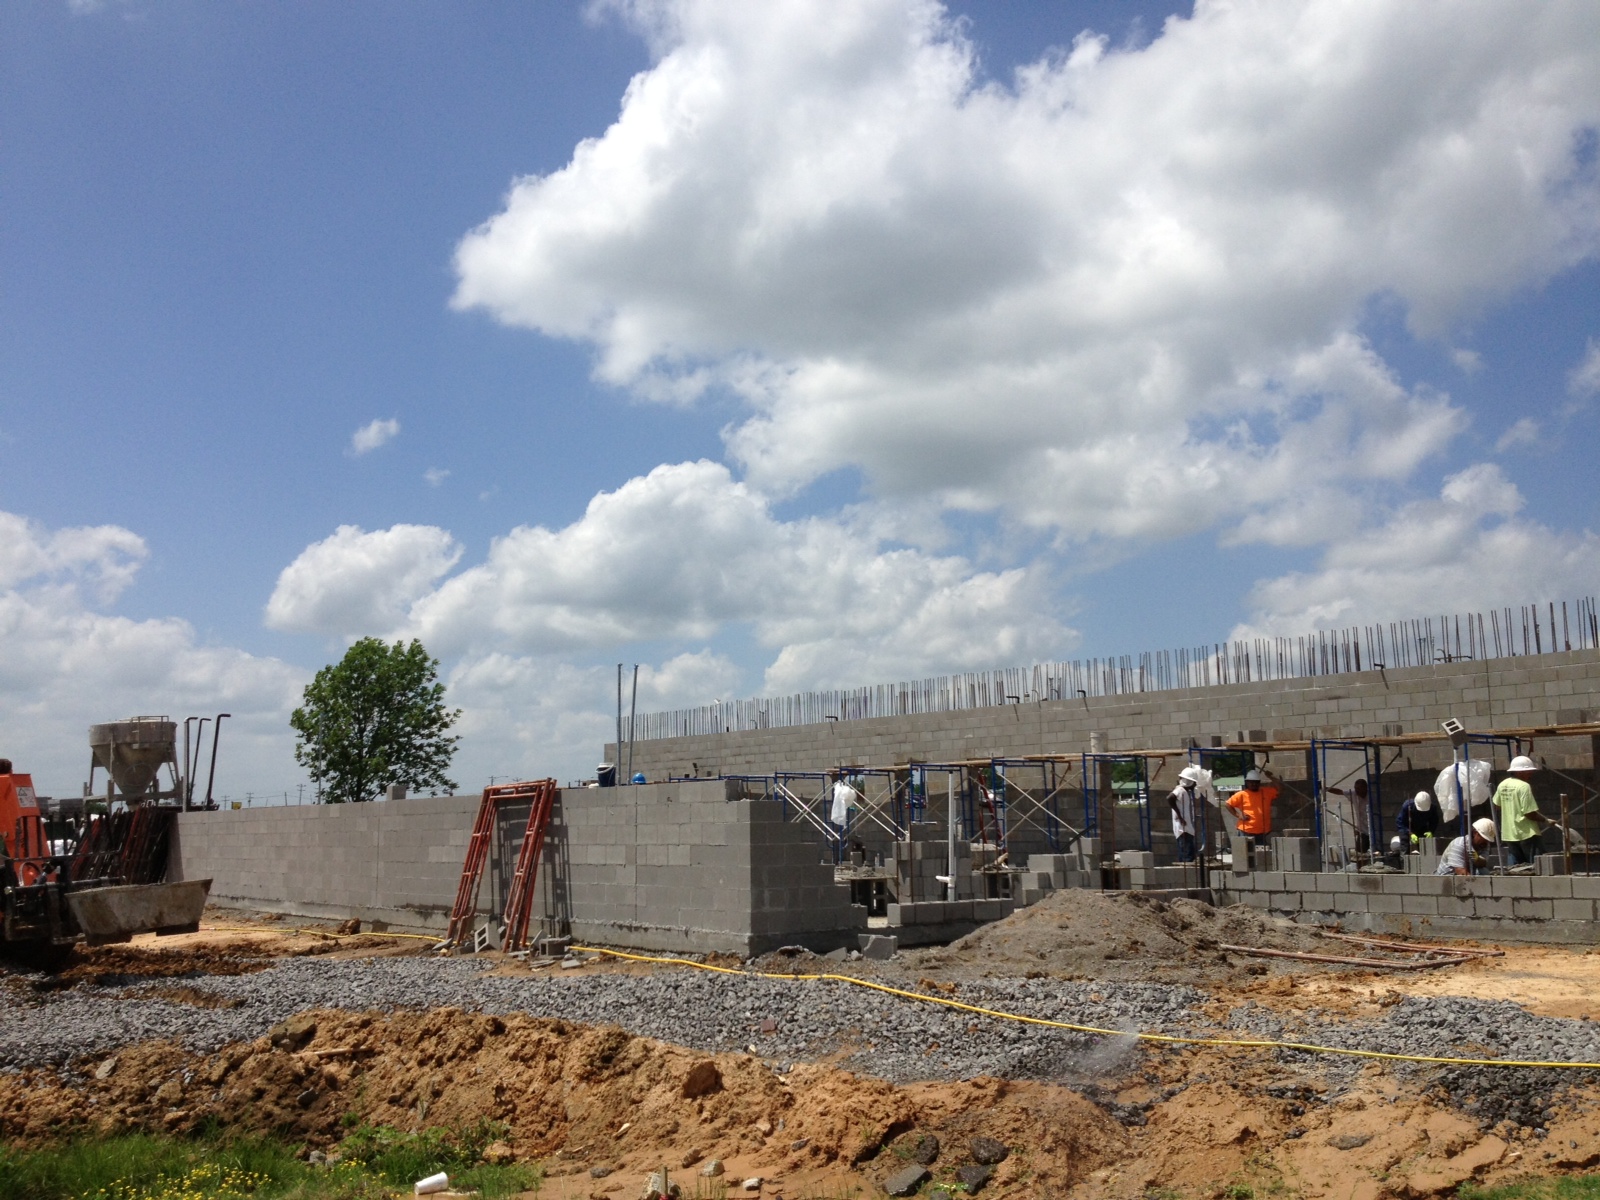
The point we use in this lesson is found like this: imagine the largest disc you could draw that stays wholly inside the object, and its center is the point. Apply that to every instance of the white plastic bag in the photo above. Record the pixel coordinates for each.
(1474, 783)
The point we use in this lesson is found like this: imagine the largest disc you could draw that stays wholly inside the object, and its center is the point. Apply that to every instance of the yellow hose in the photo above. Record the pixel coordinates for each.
(1164, 1038)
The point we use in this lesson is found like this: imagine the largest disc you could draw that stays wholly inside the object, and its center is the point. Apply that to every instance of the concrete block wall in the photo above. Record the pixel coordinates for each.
(684, 867)
(397, 861)
(1544, 689)
(1558, 909)
(671, 867)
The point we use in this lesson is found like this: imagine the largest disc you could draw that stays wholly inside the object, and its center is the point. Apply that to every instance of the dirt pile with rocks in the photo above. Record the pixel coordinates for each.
(603, 1109)
(583, 1098)
(1123, 936)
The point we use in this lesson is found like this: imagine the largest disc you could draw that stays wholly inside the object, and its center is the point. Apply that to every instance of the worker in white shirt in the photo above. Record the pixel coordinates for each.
(1462, 854)
(1188, 810)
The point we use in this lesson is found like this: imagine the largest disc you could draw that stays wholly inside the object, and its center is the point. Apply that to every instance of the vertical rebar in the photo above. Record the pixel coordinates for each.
(1566, 837)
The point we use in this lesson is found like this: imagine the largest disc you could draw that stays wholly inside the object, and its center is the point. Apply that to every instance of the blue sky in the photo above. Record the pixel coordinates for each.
(1125, 352)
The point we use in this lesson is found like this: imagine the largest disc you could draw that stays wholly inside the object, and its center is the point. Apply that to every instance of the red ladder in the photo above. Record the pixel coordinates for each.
(542, 793)
(519, 898)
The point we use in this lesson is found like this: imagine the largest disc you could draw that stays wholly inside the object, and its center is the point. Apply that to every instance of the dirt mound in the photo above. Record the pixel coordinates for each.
(1125, 936)
(116, 966)
(589, 1097)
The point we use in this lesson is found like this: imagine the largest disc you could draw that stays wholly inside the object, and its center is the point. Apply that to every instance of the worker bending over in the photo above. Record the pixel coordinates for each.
(1520, 818)
(1254, 804)
(1465, 853)
(1418, 818)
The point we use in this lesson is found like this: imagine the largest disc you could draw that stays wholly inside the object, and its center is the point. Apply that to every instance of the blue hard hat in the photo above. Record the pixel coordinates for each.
(638, 776)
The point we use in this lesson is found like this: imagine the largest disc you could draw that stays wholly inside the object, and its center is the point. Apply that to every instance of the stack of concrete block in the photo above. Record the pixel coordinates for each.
(1294, 854)
(1140, 879)
(920, 861)
(949, 913)
(1048, 873)
(1524, 908)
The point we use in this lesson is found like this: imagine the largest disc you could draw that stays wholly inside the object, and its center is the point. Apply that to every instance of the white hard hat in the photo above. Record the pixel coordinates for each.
(1423, 801)
(1252, 775)
(1522, 763)
(1192, 773)
(1395, 843)
(1484, 828)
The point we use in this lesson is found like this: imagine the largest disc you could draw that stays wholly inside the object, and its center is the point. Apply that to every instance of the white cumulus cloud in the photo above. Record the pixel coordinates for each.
(1584, 380)
(686, 551)
(68, 665)
(354, 583)
(1469, 549)
(375, 433)
(1522, 432)
(1080, 299)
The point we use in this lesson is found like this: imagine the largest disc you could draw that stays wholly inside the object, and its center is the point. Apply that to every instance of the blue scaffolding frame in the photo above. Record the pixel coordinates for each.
(1091, 792)
(1372, 768)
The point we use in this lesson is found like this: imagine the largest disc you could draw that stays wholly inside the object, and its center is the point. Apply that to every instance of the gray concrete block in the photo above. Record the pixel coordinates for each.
(878, 946)
(1533, 910)
(1552, 887)
(1385, 902)
(1573, 910)
(1511, 886)
(1420, 906)
(1493, 907)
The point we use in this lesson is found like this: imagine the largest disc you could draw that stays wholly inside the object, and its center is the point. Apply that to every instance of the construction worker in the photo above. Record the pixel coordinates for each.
(1254, 805)
(1520, 818)
(1462, 854)
(1418, 818)
(1186, 804)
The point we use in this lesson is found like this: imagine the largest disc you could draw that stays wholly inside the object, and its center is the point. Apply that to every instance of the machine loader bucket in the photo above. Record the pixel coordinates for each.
(115, 914)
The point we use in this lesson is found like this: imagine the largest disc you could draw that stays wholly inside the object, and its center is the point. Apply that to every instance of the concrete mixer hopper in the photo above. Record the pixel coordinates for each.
(132, 753)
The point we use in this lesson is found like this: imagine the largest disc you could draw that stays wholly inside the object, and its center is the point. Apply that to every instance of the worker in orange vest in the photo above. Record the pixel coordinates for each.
(1254, 805)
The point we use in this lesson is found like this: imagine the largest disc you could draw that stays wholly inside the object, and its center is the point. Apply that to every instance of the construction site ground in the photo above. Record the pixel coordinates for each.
(610, 1070)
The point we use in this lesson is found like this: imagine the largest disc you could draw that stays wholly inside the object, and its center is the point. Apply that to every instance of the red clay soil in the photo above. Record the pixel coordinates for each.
(582, 1098)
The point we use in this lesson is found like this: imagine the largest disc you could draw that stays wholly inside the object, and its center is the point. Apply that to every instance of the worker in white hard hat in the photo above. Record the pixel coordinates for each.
(1418, 818)
(1461, 855)
(1520, 818)
(1186, 803)
(1254, 805)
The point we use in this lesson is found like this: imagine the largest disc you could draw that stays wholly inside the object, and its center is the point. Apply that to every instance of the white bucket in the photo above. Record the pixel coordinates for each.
(433, 1183)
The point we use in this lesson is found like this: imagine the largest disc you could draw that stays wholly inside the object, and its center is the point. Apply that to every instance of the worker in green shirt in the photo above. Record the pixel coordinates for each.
(1520, 818)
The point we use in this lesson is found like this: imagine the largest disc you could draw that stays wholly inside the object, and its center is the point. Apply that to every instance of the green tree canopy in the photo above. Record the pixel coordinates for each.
(375, 718)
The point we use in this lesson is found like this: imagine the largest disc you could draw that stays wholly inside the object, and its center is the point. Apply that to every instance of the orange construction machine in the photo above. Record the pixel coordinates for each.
(93, 870)
(27, 853)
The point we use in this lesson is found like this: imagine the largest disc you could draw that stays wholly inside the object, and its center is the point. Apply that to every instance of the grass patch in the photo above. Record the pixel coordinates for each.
(378, 1162)
(1571, 1187)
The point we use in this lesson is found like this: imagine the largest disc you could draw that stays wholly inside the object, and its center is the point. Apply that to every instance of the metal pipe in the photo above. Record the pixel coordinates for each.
(211, 778)
(950, 830)
(184, 787)
(1566, 836)
(633, 711)
(199, 748)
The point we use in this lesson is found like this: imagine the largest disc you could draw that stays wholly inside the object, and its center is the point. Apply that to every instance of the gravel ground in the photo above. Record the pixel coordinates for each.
(895, 1039)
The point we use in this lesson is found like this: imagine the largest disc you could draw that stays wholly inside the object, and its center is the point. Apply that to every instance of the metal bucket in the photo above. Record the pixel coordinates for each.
(115, 914)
